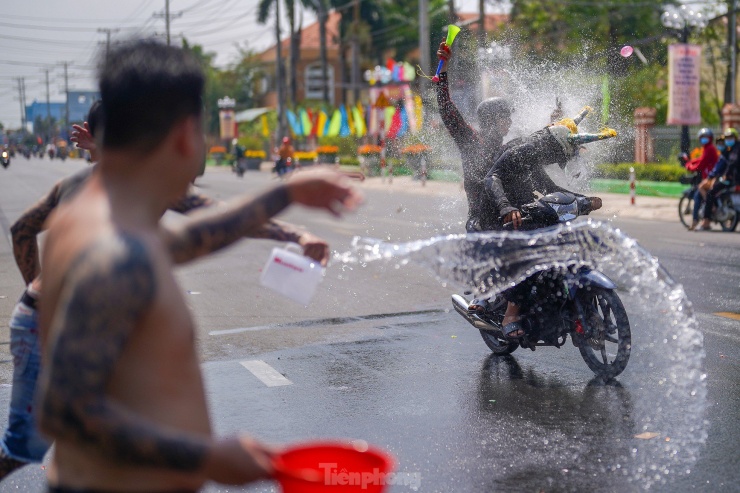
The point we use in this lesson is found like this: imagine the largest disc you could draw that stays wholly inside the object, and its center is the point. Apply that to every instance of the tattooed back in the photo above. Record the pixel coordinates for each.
(121, 389)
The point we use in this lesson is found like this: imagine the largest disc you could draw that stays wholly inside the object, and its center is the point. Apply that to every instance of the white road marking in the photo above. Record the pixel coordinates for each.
(265, 373)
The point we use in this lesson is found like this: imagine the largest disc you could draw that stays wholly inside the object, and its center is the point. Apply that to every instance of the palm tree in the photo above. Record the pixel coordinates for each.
(320, 7)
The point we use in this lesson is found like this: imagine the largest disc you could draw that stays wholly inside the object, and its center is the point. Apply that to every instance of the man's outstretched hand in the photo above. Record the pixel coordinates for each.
(324, 189)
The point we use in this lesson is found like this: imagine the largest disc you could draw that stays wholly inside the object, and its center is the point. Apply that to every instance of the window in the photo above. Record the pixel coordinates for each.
(315, 84)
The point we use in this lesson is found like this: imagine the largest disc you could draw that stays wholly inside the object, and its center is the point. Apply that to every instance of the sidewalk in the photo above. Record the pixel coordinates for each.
(615, 205)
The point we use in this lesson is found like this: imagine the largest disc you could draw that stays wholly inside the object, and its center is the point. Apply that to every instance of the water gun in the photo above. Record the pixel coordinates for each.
(452, 31)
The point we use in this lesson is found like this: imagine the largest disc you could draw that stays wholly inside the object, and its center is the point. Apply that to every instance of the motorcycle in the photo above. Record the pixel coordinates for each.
(726, 211)
(576, 301)
(5, 159)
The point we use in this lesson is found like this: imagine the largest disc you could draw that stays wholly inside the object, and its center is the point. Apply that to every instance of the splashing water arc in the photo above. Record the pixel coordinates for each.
(665, 337)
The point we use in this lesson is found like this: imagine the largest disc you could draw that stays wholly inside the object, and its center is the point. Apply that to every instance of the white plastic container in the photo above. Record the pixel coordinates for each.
(291, 274)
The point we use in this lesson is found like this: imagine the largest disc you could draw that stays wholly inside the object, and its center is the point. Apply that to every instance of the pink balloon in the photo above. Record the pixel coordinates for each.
(626, 51)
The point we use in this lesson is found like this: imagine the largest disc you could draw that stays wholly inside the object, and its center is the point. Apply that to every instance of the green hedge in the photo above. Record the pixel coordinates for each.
(651, 172)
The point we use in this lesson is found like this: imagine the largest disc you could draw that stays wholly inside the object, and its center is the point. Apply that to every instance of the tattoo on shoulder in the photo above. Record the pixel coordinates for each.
(108, 289)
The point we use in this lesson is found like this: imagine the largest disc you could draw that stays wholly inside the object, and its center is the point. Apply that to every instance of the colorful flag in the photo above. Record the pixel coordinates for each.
(359, 121)
(295, 124)
(344, 126)
(265, 127)
(321, 124)
(350, 121)
(390, 112)
(305, 123)
(335, 125)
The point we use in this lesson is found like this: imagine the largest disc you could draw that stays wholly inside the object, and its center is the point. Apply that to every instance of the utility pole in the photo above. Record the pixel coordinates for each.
(66, 96)
(279, 76)
(108, 32)
(453, 12)
(356, 52)
(424, 49)
(48, 108)
(167, 16)
(22, 99)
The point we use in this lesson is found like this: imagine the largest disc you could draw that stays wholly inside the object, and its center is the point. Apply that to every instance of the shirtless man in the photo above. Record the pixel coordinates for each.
(121, 391)
(22, 444)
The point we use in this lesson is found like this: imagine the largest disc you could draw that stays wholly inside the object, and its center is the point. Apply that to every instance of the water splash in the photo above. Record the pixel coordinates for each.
(664, 331)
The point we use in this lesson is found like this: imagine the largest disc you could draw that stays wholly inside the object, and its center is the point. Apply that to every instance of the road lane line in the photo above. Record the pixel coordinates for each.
(730, 315)
(265, 373)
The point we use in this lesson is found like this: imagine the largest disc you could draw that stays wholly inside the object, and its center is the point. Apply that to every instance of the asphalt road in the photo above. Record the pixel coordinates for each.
(379, 356)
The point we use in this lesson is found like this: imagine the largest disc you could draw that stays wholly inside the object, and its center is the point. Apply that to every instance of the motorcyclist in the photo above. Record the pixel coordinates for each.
(515, 177)
(479, 149)
(723, 176)
(702, 165)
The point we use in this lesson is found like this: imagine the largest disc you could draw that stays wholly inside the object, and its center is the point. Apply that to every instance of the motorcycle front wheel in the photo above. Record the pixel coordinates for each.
(607, 351)
(686, 210)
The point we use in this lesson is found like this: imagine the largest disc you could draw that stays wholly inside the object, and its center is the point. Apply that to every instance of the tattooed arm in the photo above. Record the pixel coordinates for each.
(213, 230)
(216, 229)
(107, 290)
(24, 232)
(312, 245)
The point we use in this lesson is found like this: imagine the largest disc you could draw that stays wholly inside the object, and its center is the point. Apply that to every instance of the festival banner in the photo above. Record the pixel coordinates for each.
(684, 62)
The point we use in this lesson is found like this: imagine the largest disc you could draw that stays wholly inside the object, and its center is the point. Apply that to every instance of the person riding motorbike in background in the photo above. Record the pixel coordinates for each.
(515, 177)
(479, 149)
(702, 165)
(724, 175)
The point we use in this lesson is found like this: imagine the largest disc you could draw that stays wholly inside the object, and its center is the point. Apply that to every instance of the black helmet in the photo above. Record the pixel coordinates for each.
(705, 132)
(492, 109)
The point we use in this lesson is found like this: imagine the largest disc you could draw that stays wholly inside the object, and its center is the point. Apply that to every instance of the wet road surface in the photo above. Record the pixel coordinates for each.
(380, 356)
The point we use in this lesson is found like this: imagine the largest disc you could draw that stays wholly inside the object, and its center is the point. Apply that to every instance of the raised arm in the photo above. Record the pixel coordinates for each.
(211, 230)
(24, 232)
(313, 246)
(460, 131)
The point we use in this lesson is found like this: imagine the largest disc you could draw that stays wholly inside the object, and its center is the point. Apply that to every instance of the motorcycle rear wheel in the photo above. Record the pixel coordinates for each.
(685, 210)
(606, 317)
(731, 223)
(498, 346)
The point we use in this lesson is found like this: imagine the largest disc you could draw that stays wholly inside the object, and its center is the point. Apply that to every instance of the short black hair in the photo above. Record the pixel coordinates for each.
(95, 117)
(146, 88)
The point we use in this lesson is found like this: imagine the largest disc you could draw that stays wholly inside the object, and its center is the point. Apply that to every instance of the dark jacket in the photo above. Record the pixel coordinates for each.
(728, 164)
(478, 155)
(519, 171)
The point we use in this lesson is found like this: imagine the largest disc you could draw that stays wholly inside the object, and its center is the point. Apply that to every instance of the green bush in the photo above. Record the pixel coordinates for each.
(650, 172)
(347, 145)
(349, 160)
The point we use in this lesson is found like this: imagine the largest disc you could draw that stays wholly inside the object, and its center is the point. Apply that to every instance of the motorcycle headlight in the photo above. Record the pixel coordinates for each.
(5, 154)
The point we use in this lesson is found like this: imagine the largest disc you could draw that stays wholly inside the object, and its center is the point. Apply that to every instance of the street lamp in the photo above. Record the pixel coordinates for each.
(682, 21)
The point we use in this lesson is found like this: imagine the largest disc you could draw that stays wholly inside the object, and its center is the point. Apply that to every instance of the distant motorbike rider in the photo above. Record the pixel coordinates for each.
(479, 149)
(515, 177)
(725, 174)
(702, 165)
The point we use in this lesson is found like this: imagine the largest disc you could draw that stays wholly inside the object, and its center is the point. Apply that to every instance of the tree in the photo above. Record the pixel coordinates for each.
(238, 81)
(320, 7)
(263, 12)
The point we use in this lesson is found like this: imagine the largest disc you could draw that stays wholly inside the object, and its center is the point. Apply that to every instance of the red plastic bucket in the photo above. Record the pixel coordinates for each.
(334, 467)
